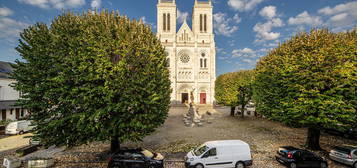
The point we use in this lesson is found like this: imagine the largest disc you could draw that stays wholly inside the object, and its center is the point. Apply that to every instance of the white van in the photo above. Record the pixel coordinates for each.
(220, 154)
(18, 127)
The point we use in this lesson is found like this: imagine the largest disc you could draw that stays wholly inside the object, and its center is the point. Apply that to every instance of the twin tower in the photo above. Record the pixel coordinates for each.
(190, 52)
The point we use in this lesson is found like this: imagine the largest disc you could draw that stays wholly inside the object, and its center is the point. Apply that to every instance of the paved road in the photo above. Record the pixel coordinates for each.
(13, 142)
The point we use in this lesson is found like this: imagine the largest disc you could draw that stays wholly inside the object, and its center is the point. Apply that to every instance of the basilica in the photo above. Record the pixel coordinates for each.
(190, 51)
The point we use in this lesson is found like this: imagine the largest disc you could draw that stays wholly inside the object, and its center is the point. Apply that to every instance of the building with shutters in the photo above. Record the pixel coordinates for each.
(8, 95)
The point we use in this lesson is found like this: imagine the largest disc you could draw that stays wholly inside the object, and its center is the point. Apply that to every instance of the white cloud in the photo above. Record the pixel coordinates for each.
(4, 11)
(305, 18)
(143, 19)
(341, 15)
(236, 18)
(10, 29)
(268, 11)
(245, 52)
(264, 30)
(350, 7)
(96, 3)
(58, 4)
(222, 24)
(243, 5)
(181, 16)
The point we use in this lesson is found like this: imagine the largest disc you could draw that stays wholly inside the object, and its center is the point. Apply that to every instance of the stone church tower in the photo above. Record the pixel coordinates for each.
(191, 52)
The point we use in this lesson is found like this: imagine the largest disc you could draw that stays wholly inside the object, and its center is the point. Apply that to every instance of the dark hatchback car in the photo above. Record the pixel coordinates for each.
(136, 158)
(293, 157)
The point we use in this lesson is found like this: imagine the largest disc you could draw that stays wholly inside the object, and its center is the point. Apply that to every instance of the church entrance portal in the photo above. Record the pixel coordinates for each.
(203, 98)
(184, 98)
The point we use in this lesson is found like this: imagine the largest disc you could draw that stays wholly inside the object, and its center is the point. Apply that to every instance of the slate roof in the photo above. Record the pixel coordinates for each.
(8, 104)
(5, 69)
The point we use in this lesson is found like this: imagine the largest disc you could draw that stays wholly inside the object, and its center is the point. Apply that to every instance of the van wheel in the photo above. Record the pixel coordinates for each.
(323, 165)
(21, 132)
(199, 165)
(240, 165)
(355, 165)
(292, 165)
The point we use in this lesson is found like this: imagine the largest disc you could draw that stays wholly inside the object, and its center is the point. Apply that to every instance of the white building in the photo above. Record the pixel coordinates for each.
(8, 96)
(191, 52)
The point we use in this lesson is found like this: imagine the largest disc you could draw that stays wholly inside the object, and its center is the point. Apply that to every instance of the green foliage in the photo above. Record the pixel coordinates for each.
(310, 80)
(5, 122)
(230, 87)
(91, 77)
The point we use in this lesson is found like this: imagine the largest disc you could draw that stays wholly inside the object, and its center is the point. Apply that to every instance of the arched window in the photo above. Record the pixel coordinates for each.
(168, 22)
(201, 22)
(205, 23)
(164, 22)
(203, 61)
(168, 62)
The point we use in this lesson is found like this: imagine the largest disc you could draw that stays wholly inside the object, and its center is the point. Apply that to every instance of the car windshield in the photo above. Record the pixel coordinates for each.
(200, 150)
(147, 153)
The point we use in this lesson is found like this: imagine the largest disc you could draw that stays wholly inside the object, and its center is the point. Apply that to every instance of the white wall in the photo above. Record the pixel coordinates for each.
(12, 115)
(6, 91)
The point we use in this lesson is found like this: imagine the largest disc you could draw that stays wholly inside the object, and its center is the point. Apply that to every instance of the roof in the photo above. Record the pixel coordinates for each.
(226, 143)
(8, 104)
(5, 69)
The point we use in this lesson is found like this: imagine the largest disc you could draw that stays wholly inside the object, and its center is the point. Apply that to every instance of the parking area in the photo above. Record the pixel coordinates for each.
(174, 139)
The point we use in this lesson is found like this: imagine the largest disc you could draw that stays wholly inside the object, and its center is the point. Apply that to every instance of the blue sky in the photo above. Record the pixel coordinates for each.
(244, 29)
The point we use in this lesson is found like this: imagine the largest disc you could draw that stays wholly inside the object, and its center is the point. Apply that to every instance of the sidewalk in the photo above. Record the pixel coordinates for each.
(13, 142)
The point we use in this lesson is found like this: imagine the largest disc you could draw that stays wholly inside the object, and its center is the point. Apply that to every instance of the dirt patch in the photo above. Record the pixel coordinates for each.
(174, 140)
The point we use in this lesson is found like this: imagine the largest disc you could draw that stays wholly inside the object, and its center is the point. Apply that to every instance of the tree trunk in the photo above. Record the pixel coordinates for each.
(313, 139)
(232, 110)
(115, 144)
(243, 107)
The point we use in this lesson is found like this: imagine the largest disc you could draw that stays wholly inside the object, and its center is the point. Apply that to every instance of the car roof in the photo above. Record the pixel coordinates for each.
(290, 148)
(226, 143)
(350, 147)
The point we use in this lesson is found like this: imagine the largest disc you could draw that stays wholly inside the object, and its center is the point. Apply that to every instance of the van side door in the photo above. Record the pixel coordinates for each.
(212, 160)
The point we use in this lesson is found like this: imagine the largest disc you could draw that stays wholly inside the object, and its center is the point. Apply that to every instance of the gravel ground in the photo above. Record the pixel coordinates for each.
(173, 140)
(14, 141)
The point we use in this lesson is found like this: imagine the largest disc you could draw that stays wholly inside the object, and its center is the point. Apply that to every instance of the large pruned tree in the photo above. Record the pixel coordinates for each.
(93, 77)
(233, 89)
(310, 81)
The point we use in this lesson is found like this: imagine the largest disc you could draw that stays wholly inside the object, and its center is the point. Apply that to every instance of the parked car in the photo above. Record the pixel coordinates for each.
(345, 154)
(18, 127)
(293, 157)
(218, 154)
(347, 133)
(136, 158)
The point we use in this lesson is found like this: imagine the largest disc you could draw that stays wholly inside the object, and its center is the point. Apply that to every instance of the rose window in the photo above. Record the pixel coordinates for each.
(185, 58)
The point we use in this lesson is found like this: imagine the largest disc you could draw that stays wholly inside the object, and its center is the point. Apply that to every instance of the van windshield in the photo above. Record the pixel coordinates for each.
(200, 150)
(12, 125)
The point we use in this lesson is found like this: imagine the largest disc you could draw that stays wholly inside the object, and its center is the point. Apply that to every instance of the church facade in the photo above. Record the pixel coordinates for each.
(191, 52)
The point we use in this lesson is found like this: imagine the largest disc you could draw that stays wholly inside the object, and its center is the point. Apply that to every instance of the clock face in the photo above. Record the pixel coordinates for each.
(185, 58)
